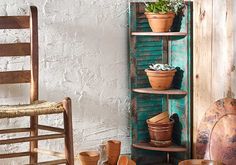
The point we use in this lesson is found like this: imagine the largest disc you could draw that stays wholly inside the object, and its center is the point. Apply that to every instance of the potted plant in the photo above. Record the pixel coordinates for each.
(160, 76)
(161, 14)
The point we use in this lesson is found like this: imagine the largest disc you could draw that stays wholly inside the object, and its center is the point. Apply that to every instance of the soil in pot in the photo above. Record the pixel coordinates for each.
(160, 80)
(160, 22)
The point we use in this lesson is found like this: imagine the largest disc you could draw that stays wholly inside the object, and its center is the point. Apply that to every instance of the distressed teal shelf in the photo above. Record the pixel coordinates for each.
(145, 48)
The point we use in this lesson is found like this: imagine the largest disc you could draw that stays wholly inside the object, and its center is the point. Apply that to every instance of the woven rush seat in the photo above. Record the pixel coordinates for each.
(34, 109)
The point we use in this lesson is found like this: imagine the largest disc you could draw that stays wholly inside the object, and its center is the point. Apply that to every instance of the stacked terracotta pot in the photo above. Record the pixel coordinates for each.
(160, 129)
(113, 148)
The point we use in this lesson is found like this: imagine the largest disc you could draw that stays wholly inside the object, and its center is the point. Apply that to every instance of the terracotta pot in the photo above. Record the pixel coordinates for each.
(160, 80)
(164, 120)
(160, 22)
(89, 157)
(199, 162)
(161, 125)
(160, 133)
(124, 160)
(113, 151)
(160, 118)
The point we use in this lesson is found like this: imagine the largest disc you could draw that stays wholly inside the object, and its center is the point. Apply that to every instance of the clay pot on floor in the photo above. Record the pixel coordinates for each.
(124, 160)
(89, 158)
(160, 80)
(160, 22)
(113, 151)
(160, 133)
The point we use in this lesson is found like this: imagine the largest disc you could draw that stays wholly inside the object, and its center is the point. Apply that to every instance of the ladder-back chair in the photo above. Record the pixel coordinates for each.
(35, 108)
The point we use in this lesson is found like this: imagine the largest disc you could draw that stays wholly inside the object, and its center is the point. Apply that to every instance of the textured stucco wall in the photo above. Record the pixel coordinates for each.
(83, 55)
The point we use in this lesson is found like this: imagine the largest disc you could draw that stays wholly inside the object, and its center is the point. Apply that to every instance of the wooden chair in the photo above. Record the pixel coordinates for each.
(36, 107)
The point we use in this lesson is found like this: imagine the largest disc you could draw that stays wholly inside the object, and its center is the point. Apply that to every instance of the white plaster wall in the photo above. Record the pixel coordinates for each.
(83, 55)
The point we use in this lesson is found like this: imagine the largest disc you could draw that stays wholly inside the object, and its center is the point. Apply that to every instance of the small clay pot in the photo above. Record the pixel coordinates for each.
(113, 151)
(124, 160)
(199, 162)
(160, 22)
(89, 157)
(160, 118)
(160, 80)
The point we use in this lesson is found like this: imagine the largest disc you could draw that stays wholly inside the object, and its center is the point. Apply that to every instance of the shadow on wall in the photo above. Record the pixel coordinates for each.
(177, 22)
(178, 78)
(177, 129)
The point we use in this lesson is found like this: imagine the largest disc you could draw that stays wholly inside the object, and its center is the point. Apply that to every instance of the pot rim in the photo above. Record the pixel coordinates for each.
(89, 155)
(113, 142)
(160, 128)
(160, 71)
(161, 124)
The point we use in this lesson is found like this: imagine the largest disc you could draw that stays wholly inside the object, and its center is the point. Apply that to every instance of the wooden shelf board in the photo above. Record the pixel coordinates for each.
(172, 148)
(164, 92)
(159, 34)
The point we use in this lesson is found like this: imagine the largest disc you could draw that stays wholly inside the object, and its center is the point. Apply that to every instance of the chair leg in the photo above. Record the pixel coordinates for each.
(33, 144)
(69, 151)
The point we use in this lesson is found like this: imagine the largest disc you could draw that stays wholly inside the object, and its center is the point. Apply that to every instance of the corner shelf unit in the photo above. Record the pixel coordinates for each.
(175, 48)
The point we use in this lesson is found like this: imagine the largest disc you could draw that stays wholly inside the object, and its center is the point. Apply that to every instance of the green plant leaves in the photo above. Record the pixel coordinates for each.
(165, 6)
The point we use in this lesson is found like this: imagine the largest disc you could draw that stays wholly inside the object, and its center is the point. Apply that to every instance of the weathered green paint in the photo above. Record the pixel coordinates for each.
(144, 50)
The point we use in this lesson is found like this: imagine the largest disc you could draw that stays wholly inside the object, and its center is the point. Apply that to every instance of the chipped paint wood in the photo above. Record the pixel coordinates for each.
(202, 60)
(214, 59)
(222, 49)
(233, 69)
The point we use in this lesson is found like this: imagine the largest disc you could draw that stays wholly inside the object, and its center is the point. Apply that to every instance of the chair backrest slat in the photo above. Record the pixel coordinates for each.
(15, 49)
(13, 77)
(14, 22)
(22, 49)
